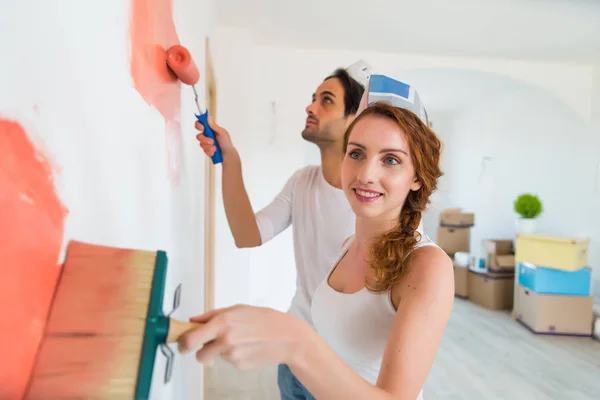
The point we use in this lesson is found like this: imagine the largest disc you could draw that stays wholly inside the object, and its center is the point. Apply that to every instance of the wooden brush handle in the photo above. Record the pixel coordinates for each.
(178, 328)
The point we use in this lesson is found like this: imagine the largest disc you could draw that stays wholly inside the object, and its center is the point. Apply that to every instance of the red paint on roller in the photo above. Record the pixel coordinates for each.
(180, 61)
(31, 234)
(153, 31)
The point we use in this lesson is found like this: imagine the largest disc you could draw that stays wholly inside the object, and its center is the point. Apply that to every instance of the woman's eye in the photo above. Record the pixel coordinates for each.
(391, 161)
(354, 154)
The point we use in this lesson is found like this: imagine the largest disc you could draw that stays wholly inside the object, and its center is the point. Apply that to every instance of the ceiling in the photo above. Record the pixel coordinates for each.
(548, 30)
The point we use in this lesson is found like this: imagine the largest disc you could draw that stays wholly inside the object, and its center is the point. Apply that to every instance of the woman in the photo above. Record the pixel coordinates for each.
(381, 312)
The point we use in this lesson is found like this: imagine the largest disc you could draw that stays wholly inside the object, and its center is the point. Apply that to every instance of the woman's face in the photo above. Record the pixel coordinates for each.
(377, 171)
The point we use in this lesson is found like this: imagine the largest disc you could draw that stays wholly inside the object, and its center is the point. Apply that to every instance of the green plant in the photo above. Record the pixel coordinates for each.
(528, 206)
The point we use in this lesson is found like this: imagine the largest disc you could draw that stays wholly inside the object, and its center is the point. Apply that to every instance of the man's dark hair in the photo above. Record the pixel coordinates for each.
(353, 90)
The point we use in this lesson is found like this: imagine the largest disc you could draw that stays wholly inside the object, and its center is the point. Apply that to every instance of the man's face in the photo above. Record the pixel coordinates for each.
(325, 120)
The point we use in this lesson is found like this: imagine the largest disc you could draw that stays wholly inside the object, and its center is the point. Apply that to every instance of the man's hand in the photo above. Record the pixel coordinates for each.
(208, 144)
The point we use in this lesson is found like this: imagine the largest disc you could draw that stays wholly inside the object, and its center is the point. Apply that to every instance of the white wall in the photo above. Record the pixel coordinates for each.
(66, 77)
(596, 128)
(523, 141)
(528, 108)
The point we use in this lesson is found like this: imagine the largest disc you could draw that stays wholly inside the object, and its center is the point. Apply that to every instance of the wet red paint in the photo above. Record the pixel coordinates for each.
(31, 235)
(152, 32)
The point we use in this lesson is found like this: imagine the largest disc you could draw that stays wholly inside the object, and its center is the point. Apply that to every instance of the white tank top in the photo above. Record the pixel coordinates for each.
(356, 326)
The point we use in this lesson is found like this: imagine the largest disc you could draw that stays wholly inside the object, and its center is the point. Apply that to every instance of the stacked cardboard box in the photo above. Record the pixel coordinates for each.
(554, 285)
(454, 231)
(454, 236)
(491, 282)
(596, 328)
(461, 275)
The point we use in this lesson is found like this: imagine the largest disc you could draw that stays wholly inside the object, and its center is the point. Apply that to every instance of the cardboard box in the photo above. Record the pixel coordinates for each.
(494, 291)
(499, 255)
(555, 281)
(455, 218)
(454, 240)
(454, 232)
(596, 328)
(564, 253)
(461, 281)
(554, 314)
(498, 246)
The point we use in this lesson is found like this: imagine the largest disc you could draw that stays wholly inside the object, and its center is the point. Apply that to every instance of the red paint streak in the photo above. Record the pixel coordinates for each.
(95, 319)
(173, 144)
(152, 32)
(31, 233)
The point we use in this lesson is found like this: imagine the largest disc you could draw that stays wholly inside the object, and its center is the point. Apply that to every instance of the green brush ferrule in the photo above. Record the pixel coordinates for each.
(161, 329)
(157, 328)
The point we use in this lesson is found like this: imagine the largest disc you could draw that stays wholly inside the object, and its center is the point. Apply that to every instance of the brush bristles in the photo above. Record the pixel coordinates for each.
(94, 336)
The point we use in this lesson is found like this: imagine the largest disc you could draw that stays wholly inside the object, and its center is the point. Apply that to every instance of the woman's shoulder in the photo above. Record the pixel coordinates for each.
(428, 273)
(428, 262)
(427, 253)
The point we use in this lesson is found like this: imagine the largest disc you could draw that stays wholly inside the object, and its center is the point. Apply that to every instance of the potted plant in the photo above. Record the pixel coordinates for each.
(529, 207)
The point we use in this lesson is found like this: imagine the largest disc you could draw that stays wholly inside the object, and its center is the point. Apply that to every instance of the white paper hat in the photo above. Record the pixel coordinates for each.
(361, 72)
(394, 92)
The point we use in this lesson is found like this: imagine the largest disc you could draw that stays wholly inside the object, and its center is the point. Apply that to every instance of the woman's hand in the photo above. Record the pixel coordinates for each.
(246, 336)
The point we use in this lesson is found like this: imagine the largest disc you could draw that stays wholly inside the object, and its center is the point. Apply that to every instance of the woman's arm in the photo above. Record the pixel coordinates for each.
(252, 337)
(426, 296)
(326, 376)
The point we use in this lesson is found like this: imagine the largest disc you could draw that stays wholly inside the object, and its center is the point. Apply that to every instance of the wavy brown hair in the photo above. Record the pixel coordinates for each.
(389, 255)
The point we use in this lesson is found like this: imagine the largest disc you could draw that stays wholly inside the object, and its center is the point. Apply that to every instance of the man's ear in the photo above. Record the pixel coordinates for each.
(349, 120)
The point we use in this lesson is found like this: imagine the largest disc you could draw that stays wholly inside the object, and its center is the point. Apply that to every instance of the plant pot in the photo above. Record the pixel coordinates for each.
(526, 225)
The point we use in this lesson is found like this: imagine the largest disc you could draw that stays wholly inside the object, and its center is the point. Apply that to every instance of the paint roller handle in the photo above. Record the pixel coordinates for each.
(217, 158)
(178, 328)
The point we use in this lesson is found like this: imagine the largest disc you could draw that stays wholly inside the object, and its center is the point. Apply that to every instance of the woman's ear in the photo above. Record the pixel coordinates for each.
(416, 185)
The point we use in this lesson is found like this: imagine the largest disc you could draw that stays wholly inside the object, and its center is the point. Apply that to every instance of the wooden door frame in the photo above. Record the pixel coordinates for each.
(209, 193)
(209, 202)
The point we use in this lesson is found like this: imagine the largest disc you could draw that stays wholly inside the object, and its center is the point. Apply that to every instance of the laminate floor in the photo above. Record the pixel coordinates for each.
(485, 355)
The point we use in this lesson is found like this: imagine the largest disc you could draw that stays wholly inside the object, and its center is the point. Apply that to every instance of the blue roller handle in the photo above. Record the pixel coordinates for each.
(208, 132)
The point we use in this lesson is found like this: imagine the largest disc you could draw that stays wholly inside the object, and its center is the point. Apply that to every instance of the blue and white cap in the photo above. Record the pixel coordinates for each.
(361, 72)
(396, 93)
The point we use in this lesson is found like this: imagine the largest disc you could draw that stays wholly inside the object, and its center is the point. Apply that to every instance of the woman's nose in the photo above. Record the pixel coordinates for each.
(367, 172)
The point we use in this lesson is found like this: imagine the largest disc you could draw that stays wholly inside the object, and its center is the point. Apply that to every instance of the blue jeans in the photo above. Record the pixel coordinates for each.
(289, 386)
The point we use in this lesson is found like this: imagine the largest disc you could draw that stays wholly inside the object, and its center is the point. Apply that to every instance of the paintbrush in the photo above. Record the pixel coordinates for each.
(105, 325)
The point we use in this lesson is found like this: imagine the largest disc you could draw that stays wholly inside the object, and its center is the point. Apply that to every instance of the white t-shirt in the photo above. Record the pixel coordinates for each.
(321, 220)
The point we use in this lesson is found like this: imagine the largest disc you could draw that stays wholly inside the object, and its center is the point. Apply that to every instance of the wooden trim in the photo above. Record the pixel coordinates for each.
(209, 201)
(209, 204)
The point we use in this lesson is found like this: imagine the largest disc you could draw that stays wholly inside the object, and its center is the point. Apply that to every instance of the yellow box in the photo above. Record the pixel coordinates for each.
(568, 254)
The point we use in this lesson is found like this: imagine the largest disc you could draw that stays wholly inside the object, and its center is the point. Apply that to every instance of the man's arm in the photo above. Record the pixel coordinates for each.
(250, 229)
(238, 209)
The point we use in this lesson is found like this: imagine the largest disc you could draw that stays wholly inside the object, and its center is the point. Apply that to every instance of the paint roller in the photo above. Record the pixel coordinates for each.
(180, 62)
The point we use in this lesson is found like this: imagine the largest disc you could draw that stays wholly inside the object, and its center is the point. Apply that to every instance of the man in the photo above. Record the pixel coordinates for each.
(311, 201)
